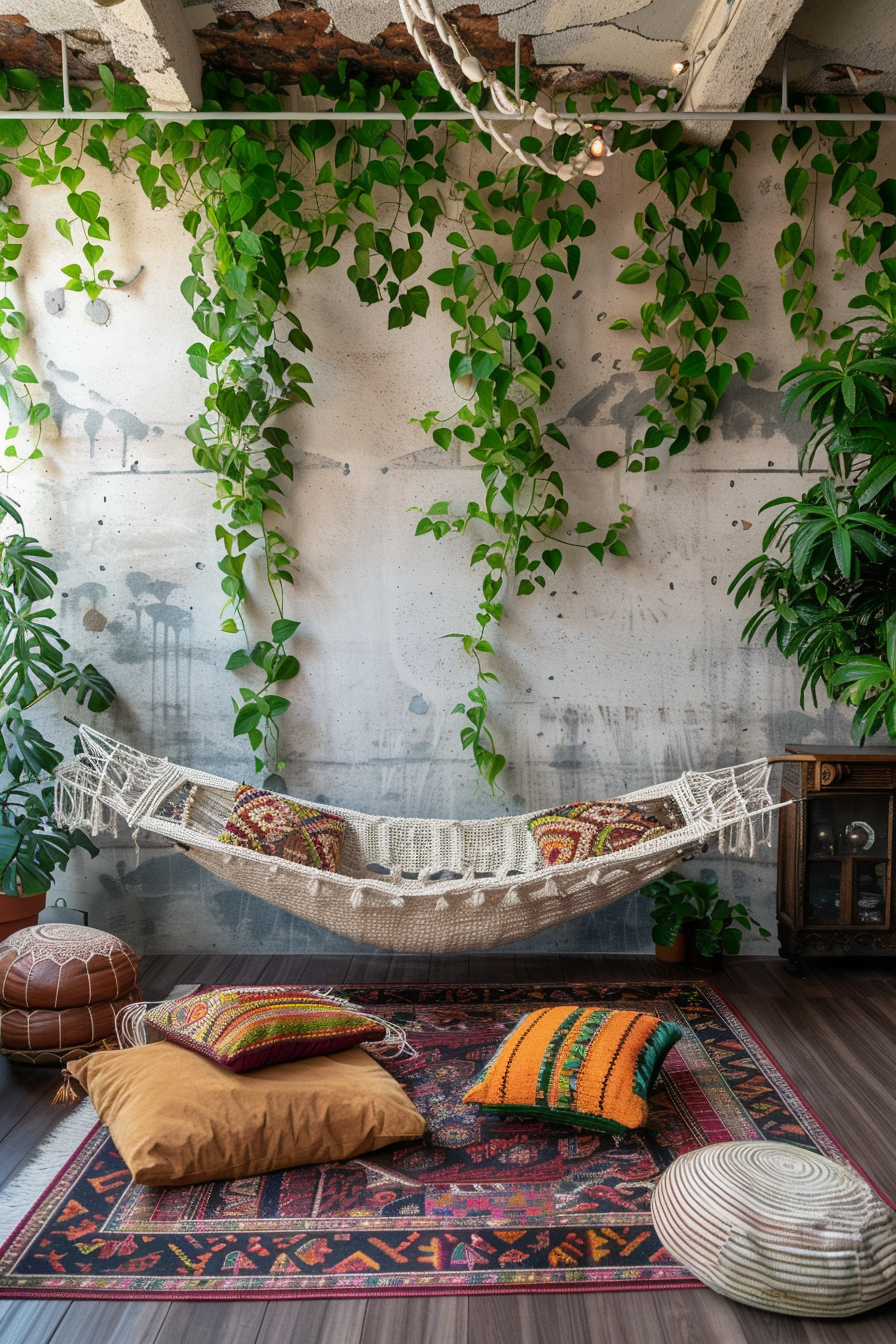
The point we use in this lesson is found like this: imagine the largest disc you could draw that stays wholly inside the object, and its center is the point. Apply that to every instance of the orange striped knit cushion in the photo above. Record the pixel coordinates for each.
(580, 1066)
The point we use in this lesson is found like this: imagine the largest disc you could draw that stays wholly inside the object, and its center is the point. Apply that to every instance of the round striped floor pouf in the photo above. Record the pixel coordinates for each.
(778, 1227)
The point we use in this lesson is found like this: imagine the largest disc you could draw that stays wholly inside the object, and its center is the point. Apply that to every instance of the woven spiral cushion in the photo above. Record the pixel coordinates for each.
(59, 1029)
(578, 1066)
(64, 966)
(245, 1029)
(274, 825)
(778, 1227)
(580, 831)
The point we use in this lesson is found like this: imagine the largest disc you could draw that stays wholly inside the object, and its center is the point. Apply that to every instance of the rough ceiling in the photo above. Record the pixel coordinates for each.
(831, 46)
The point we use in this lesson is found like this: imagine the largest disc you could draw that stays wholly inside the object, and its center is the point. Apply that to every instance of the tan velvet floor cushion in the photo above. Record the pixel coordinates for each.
(178, 1119)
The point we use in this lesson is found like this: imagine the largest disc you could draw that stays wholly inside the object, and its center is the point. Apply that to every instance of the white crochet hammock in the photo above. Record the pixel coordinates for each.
(411, 885)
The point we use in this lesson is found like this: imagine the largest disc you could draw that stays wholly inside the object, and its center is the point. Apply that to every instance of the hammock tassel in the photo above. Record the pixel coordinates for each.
(357, 898)
(550, 888)
(314, 887)
(512, 898)
(442, 904)
(478, 898)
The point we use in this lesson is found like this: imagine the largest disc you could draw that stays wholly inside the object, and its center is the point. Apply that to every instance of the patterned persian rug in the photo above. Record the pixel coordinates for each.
(480, 1204)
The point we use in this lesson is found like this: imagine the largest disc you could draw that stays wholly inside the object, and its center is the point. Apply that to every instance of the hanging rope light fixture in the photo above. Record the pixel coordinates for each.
(589, 162)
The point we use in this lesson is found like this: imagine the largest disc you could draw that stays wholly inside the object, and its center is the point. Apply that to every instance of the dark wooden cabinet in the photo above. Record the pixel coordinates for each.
(835, 849)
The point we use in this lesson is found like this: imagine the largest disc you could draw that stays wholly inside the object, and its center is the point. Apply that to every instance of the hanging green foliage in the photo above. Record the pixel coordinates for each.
(501, 366)
(683, 253)
(259, 204)
(828, 152)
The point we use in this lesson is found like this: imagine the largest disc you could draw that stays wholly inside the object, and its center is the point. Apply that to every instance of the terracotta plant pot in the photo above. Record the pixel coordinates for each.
(675, 953)
(694, 956)
(18, 912)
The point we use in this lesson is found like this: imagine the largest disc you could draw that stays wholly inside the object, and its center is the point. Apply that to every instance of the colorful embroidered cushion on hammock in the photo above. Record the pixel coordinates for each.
(592, 1067)
(275, 825)
(579, 830)
(245, 1029)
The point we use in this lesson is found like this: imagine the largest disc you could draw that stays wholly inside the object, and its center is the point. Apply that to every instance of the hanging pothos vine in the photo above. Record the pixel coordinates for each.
(257, 205)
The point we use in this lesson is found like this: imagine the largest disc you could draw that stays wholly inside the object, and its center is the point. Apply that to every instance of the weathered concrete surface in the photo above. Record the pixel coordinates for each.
(567, 43)
(736, 47)
(150, 37)
(618, 676)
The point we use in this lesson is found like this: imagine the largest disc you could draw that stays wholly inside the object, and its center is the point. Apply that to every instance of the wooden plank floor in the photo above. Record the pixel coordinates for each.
(833, 1033)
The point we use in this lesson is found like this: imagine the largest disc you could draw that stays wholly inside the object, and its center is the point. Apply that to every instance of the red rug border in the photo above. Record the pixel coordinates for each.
(344, 1295)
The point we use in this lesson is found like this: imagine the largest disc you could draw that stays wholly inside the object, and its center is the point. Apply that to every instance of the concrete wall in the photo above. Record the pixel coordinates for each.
(622, 675)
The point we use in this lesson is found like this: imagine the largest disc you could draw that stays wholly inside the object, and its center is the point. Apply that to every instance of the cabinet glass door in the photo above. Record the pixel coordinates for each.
(847, 872)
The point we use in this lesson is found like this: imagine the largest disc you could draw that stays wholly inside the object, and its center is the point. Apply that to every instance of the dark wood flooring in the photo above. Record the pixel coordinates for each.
(833, 1032)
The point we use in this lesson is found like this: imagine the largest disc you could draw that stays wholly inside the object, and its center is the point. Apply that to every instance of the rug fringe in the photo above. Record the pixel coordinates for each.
(25, 1189)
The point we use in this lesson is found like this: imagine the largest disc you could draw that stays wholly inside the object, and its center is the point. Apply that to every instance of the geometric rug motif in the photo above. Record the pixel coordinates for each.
(479, 1204)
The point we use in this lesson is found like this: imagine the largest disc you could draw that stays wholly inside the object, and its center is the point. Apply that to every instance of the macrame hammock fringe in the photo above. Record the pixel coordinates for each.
(405, 884)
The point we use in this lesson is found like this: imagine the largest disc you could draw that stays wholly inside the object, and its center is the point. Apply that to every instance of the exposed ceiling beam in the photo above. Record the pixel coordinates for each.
(151, 37)
(736, 39)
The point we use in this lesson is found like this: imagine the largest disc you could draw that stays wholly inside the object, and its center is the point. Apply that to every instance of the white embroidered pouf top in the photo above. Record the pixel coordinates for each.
(64, 966)
(779, 1227)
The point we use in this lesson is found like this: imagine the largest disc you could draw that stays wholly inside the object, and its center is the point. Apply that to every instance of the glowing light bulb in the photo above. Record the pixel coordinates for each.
(679, 68)
(597, 148)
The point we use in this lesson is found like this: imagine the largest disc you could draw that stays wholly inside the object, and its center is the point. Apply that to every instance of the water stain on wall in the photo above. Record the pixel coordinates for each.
(62, 410)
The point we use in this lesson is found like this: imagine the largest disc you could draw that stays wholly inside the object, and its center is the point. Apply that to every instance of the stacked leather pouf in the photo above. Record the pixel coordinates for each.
(60, 988)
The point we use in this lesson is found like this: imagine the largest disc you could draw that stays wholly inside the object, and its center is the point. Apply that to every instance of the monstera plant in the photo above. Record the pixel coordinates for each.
(826, 577)
(33, 666)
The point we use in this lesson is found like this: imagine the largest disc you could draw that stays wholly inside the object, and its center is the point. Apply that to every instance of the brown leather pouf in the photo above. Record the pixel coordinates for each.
(59, 1029)
(56, 1058)
(64, 966)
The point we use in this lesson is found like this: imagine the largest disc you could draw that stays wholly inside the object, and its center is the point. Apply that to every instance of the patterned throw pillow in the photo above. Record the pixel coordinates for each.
(580, 830)
(275, 825)
(245, 1029)
(592, 1067)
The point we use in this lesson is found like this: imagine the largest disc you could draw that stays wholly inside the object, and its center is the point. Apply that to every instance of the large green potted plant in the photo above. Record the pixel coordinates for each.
(826, 578)
(708, 923)
(32, 666)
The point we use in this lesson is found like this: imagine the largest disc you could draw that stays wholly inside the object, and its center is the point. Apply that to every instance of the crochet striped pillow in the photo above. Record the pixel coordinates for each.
(578, 1066)
(245, 1029)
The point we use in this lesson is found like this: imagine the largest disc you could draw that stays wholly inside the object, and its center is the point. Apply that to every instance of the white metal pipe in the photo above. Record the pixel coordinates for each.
(658, 118)
(784, 107)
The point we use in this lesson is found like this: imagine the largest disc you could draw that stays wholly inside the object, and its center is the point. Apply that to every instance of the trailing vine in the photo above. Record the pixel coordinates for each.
(502, 367)
(816, 153)
(681, 250)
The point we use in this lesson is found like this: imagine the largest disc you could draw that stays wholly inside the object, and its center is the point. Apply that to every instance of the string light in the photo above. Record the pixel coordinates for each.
(597, 148)
(680, 67)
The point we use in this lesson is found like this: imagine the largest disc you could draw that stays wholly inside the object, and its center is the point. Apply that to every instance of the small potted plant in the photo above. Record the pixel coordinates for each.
(694, 922)
(32, 666)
